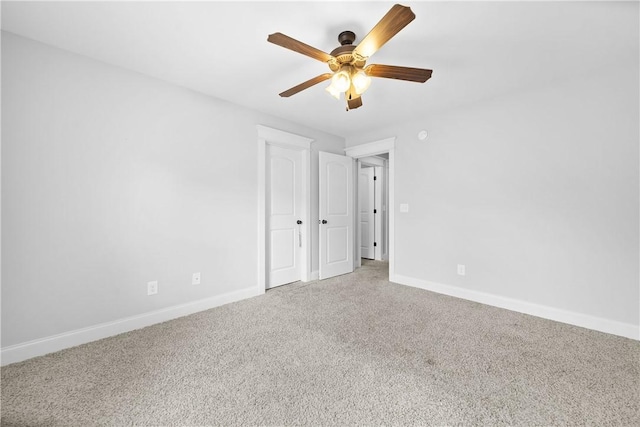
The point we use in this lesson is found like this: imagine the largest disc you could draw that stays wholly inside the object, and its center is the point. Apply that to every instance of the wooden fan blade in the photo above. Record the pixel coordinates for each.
(354, 103)
(306, 85)
(419, 75)
(395, 20)
(353, 99)
(297, 46)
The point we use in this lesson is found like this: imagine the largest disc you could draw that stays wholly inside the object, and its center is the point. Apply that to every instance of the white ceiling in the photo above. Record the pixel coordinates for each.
(477, 50)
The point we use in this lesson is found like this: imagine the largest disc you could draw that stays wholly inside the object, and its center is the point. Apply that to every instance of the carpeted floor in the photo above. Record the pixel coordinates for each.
(352, 350)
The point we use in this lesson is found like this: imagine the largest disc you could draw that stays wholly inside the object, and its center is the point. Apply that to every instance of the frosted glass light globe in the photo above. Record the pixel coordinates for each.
(333, 91)
(361, 82)
(341, 81)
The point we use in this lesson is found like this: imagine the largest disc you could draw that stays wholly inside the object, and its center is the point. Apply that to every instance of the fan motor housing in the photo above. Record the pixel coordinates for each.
(344, 53)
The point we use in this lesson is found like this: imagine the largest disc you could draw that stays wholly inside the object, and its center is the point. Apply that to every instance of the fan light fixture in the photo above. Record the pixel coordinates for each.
(350, 73)
(346, 76)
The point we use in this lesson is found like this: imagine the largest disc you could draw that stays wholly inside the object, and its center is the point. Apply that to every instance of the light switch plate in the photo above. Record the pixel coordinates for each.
(404, 207)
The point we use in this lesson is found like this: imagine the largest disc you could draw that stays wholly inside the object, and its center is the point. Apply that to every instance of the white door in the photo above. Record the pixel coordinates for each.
(284, 207)
(366, 206)
(336, 215)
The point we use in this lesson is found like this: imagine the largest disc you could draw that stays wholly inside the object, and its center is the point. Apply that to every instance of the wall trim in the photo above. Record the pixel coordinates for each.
(283, 138)
(371, 148)
(626, 330)
(39, 347)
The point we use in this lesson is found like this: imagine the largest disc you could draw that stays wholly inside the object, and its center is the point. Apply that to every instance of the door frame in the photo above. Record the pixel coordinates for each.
(271, 136)
(378, 191)
(382, 146)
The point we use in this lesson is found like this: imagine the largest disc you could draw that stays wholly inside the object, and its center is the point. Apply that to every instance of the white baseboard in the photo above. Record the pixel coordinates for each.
(626, 330)
(39, 347)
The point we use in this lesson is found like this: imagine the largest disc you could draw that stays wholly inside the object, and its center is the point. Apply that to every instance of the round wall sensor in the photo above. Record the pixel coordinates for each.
(422, 135)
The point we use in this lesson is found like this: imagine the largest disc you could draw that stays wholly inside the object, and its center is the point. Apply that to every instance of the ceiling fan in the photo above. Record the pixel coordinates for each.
(347, 62)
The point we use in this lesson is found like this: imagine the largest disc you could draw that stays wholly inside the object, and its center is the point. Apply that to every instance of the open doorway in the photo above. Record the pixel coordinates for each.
(383, 150)
(372, 207)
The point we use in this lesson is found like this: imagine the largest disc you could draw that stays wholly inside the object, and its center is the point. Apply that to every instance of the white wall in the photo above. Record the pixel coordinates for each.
(536, 192)
(111, 179)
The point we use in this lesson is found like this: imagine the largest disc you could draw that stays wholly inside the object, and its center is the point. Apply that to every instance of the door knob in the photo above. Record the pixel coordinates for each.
(298, 222)
(324, 221)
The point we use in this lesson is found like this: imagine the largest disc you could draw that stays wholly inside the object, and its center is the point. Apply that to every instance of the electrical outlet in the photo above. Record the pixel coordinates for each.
(195, 279)
(152, 287)
(461, 270)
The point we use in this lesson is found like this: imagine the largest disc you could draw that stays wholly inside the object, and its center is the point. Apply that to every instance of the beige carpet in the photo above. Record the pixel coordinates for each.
(353, 350)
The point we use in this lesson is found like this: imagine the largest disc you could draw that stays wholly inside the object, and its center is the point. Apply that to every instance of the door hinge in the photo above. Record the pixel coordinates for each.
(375, 178)
(375, 211)
(375, 244)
